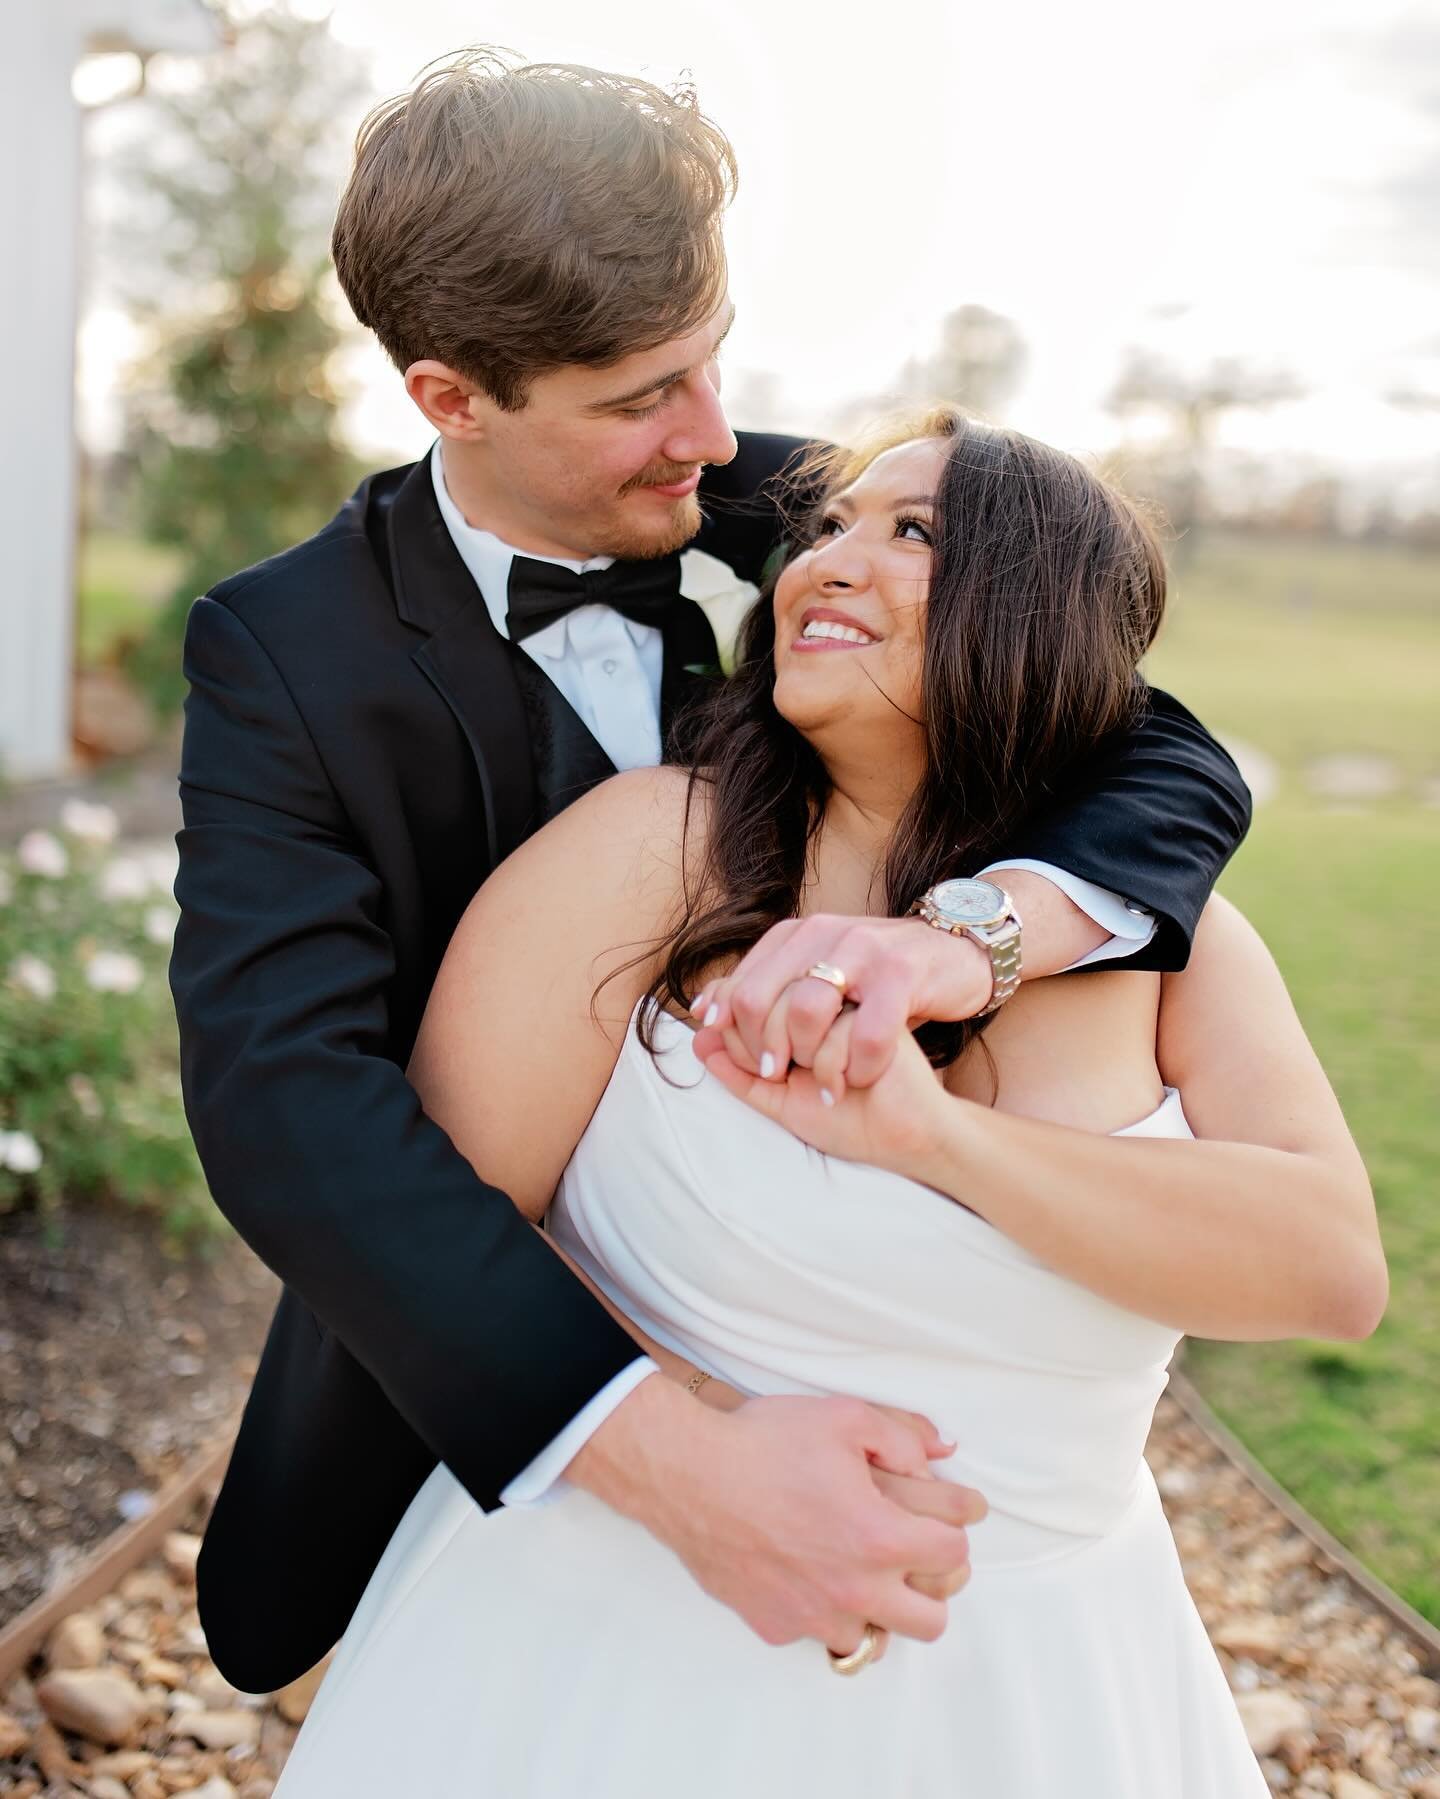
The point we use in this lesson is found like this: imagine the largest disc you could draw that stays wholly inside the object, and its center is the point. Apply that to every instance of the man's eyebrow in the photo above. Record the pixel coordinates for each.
(660, 381)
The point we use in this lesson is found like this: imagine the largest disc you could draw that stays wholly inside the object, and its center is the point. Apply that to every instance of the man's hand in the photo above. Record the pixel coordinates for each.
(899, 972)
(807, 1517)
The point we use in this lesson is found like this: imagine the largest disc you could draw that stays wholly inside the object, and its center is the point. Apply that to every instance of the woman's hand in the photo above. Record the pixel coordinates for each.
(898, 971)
(890, 1124)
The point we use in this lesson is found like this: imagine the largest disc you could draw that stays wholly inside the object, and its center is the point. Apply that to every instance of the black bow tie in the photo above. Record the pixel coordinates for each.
(540, 592)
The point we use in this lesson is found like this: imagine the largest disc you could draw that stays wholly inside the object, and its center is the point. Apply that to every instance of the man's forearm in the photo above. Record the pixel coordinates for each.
(1054, 931)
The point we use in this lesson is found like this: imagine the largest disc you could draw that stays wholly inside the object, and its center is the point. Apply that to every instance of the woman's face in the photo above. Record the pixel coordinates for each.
(850, 611)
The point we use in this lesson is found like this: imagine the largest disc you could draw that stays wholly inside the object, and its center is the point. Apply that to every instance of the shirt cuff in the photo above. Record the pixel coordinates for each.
(1130, 925)
(542, 1479)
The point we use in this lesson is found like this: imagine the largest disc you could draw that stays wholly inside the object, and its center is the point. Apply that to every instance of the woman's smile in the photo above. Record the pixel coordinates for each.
(823, 628)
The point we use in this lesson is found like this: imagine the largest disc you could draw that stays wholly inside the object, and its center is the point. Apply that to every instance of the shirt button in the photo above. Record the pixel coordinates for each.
(609, 665)
(1135, 907)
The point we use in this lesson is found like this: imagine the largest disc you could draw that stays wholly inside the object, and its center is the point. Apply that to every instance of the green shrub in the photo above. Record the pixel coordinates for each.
(90, 1105)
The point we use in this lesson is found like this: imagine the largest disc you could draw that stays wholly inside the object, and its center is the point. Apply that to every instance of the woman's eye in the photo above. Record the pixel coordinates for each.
(903, 525)
(827, 527)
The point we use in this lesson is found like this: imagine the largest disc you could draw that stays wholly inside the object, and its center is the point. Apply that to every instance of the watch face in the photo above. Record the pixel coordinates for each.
(968, 902)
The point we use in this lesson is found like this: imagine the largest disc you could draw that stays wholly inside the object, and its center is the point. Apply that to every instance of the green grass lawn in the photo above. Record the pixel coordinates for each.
(122, 581)
(1346, 898)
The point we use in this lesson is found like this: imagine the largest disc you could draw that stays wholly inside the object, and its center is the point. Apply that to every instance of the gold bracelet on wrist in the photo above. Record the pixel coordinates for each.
(696, 1381)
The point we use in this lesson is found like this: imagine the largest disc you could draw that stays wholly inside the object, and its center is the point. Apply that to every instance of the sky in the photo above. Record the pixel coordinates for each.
(1257, 178)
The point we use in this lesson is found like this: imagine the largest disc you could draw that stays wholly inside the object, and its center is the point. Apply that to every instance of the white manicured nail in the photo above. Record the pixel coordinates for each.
(827, 1098)
(767, 1066)
(696, 1004)
(712, 1014)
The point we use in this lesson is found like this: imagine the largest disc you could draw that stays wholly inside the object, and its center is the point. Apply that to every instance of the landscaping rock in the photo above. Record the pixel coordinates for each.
(220, 1730)
(100, 1704)
(1422, 1726)
(181, 1551)
(76, 1642)
(1269, 1716)
(1259, 1637)
(106, 1786)
(1344, 1785)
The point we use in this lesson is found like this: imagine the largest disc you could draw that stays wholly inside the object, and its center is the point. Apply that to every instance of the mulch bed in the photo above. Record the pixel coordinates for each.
(119, 1361)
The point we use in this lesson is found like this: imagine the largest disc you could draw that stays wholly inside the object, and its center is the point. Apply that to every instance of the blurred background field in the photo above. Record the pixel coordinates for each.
(1326, 659)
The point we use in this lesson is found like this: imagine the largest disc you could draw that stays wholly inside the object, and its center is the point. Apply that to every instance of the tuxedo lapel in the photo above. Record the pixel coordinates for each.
(464, 657)
(691, 660)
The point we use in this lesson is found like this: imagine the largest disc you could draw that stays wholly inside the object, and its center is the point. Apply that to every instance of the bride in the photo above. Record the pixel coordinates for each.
(1009, 1229)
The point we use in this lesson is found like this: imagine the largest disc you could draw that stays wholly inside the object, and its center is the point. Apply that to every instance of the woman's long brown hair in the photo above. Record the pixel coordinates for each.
(1047, 586)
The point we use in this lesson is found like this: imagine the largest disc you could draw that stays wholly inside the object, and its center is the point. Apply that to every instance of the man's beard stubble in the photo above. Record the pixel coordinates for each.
(671, 530)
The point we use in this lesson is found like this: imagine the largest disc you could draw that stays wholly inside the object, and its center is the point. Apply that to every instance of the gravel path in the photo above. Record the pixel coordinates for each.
(1334, 1698)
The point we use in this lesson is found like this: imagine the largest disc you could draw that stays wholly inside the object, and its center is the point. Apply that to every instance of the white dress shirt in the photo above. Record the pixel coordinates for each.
(608, 668)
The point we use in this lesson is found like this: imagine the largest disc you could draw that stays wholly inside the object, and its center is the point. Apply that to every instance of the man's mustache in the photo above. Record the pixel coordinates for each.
(662, 474)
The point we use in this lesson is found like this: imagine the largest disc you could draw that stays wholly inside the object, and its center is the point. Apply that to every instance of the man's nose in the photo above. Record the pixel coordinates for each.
(702, 433)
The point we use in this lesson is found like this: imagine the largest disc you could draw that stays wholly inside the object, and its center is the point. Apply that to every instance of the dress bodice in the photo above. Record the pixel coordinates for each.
(784, 1270)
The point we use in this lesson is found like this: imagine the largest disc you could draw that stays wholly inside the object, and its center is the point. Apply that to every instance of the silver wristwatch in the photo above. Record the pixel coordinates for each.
(986, 913)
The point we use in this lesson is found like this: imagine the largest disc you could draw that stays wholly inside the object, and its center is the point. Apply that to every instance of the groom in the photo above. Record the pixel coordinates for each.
(376, 718)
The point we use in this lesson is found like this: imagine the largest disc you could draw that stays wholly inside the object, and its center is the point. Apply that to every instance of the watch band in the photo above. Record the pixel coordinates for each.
(1003, 943)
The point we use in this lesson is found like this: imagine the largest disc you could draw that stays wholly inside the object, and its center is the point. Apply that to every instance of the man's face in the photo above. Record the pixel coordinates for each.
(603, 461)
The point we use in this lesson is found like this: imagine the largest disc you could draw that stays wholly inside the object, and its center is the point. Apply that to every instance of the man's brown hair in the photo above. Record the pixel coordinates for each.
(507, 219)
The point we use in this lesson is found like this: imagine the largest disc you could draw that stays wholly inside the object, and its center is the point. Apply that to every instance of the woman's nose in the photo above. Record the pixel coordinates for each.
(837, 564)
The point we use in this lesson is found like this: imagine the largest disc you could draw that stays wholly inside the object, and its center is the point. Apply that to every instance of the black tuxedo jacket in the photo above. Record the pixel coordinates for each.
(357, 756)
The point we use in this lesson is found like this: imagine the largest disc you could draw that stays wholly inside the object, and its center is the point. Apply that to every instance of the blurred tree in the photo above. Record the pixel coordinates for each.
(1188, 405)
(235, 432)
(979, 363)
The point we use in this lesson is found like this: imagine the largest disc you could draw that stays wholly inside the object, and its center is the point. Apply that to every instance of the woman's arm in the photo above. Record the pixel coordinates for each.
(522, 1028)
(510, 1031)
(1263, 1228)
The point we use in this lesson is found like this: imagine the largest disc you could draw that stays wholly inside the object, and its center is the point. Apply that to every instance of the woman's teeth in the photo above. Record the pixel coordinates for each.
(824, 627)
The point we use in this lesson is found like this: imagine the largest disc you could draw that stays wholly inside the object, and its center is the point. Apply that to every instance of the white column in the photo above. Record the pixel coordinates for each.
(39, 210)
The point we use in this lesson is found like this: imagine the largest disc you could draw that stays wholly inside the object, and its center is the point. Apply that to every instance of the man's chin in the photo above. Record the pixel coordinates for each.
(648, 527)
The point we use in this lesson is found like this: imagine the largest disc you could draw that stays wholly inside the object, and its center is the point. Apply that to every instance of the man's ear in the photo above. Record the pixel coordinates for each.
(454, 406)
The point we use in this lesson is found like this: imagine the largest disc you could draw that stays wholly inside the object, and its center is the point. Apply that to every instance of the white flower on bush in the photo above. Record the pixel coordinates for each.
(162, 866)
(160, 924)
(33, 976)
(82, 1091)
(94, 824)
(42, 853)
(19, 1152)
(124, 879)
(114, 971)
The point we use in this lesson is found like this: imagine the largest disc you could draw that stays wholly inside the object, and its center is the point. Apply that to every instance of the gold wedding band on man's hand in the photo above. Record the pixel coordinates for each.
(861, 1655)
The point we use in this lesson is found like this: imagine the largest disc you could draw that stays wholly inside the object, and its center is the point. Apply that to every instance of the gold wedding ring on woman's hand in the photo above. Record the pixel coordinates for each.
(861, 1655)
(827, 971)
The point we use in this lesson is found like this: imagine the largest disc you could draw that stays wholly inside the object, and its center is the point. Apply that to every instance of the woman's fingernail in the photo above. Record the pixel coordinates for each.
(696, 1004)
(767, 1066)
(827, 1098)
(712, 1015)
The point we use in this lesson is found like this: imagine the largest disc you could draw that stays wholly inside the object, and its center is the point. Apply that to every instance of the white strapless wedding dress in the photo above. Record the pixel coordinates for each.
(559, 1652)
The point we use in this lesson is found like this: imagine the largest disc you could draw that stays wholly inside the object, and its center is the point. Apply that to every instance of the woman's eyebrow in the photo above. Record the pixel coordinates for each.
(909, 499)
